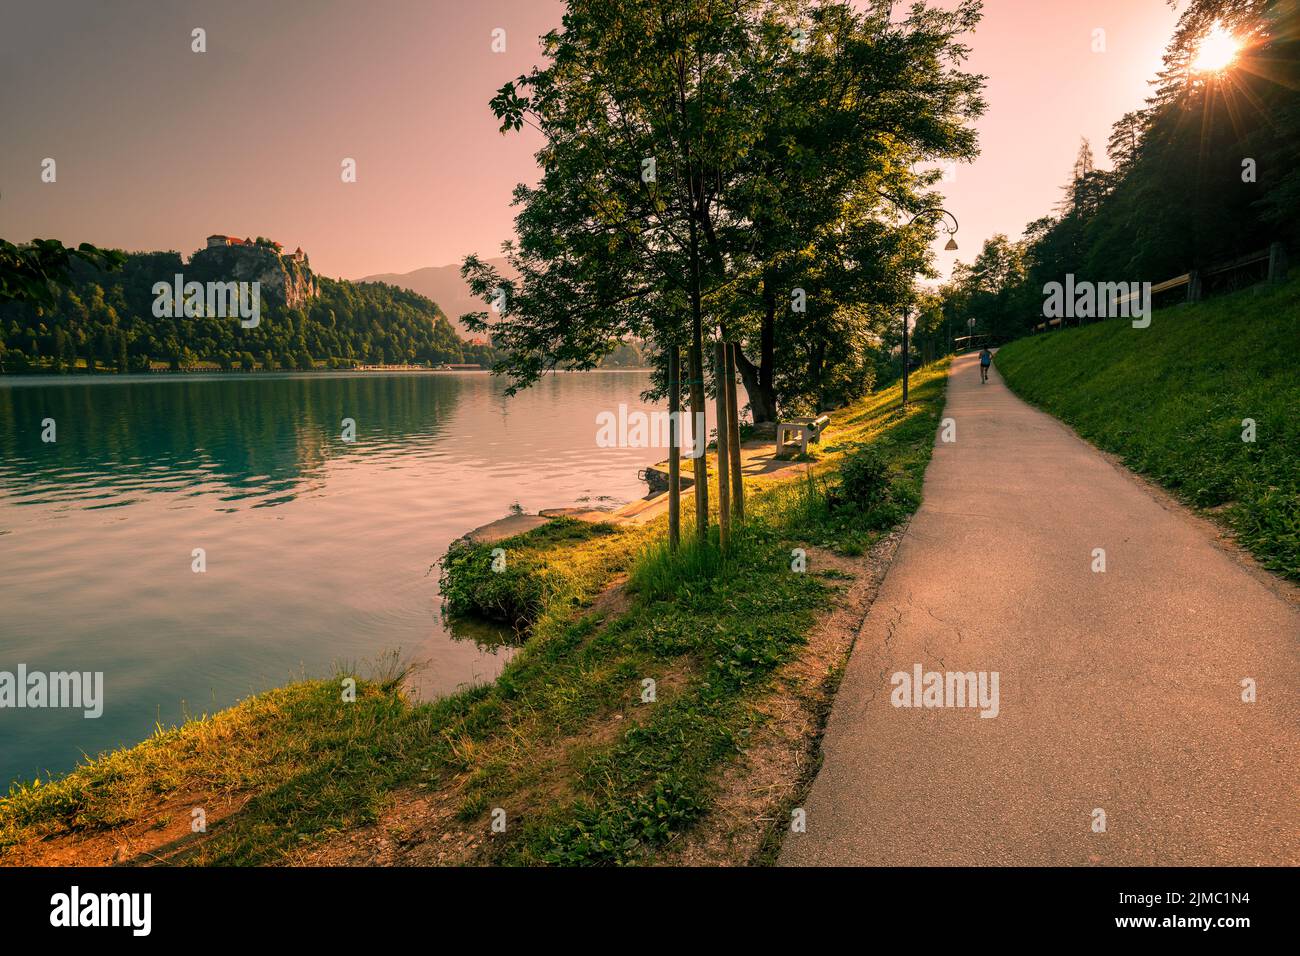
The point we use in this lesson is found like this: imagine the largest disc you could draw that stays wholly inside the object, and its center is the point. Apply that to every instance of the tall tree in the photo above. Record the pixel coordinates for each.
(628, 232)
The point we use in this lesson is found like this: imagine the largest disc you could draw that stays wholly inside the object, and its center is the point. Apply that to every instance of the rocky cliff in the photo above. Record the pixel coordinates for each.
(285, 277)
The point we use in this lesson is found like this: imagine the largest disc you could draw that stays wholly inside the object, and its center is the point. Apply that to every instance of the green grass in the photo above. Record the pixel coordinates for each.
(587, 770)
(315, 763)
(1170, 400)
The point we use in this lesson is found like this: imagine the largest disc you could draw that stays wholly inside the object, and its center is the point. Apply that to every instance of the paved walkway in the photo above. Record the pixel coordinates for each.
(1119, 691)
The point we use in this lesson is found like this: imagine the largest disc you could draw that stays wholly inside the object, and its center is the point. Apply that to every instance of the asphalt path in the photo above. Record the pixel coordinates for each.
(1121, 736)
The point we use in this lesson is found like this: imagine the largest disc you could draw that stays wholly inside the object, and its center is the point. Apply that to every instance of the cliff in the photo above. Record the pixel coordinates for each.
(287, 278)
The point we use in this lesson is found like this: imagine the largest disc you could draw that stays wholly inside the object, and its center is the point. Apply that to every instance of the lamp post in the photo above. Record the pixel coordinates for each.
(950, 247)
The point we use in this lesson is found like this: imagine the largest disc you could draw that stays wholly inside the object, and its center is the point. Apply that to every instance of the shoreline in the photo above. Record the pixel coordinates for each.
(386, 780)
(105, 375)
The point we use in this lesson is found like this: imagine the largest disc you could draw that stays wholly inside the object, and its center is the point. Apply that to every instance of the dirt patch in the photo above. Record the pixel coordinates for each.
(164, 835)
(757, 791)
(420, 828)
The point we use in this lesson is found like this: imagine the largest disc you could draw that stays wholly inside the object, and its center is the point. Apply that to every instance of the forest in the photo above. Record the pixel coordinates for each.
(100, 320)
(1207, 172)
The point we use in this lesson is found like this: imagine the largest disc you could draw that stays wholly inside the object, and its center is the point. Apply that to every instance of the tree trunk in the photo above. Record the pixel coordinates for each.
(816, 362)
(698, 430)
(724, 455)
(674, 447)
(760, 379)
(733, 438)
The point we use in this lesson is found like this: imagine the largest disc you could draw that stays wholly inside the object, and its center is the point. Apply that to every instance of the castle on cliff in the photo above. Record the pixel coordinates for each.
(216, 241)
(284, 274)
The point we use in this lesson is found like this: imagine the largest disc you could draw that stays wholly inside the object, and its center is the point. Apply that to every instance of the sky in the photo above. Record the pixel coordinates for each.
(157, 146)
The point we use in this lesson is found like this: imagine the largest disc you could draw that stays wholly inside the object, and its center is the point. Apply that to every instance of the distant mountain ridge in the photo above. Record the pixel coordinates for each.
(444, 286)
(450, 292)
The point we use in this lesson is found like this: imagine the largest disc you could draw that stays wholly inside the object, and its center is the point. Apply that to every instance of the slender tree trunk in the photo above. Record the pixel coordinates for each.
(724, 455)
(733, 438)
(698, 429)
(674, 447)
(749, 375)
(816, 364)
(906, 358)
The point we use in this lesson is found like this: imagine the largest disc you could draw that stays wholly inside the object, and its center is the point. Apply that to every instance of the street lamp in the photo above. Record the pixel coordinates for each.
(950, 247)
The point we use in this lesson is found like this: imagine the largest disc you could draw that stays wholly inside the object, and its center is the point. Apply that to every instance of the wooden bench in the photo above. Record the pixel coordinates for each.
(803, 431)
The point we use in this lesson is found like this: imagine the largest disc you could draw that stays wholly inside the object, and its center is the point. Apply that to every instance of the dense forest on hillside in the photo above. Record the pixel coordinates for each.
(105, 320)
(1206, 172)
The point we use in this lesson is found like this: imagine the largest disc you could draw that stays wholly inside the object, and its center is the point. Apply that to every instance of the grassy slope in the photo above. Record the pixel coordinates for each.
(1170, 400)
(586, 772)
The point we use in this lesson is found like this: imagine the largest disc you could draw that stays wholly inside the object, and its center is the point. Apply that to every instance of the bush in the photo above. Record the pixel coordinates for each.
(536, 570)
(469, 586)
(864, 479)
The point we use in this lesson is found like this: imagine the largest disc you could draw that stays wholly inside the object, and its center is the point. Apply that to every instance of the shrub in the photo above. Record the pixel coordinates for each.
(469, 586)
(864, 479)
(538, 569)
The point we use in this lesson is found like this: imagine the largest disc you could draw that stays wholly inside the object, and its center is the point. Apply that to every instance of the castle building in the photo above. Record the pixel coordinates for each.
(218, 241)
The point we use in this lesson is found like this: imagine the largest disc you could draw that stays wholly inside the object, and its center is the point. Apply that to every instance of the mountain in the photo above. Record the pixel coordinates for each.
(444, 286)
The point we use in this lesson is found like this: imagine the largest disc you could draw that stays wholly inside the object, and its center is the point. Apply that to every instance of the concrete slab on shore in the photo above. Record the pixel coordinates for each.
(506, 527)
(757, 457)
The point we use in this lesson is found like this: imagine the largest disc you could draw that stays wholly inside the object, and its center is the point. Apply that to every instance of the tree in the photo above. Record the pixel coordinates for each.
(671, 138)
(28, 271)
(986, 287)
(847, 117)
(628, 232)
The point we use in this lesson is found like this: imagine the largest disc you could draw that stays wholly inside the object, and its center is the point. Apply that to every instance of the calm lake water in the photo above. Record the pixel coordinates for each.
(318, 551)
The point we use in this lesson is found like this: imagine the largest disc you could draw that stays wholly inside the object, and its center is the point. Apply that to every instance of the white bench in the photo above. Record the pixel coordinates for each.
(803, 431)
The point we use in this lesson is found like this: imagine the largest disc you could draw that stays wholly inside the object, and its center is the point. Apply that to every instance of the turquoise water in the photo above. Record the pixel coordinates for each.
(317, 551)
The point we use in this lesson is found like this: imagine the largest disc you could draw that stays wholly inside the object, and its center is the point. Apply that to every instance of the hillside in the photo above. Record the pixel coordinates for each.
(107, 320)
(443, 285)
(1172, 401)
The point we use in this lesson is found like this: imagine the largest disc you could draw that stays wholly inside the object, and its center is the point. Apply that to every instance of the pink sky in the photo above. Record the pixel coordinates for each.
(158, 146)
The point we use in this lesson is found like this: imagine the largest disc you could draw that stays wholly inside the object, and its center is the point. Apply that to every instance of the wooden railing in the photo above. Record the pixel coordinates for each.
(1196, 280)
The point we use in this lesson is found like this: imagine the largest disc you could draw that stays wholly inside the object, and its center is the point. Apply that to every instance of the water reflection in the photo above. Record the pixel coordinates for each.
(262, 437)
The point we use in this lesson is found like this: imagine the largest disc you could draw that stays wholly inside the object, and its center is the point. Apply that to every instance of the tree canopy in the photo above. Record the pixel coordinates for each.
(731, 169)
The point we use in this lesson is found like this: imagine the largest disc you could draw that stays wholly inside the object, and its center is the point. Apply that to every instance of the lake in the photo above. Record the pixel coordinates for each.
(317, 551)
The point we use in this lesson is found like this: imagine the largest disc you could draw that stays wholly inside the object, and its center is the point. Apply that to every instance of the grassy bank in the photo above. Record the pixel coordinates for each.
(1172, 399)
(643, 676)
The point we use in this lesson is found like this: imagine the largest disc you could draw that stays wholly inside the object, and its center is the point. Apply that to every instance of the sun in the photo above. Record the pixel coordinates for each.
(1217, 51)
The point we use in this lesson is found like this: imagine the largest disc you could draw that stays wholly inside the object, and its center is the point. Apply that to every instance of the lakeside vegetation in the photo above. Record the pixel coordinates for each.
(585, 771)
(1172, 401)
